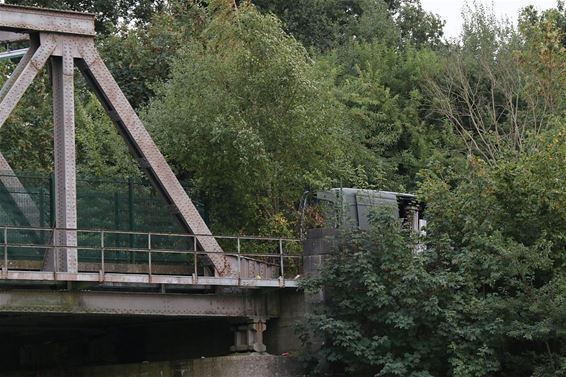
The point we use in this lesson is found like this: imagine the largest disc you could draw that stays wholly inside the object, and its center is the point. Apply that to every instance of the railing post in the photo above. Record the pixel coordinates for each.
(102, 253)
(239, 260)
(6, 251)
(282, 279)
(149, 255)
(55, 253)
(195, 256)
(131, 211)
(52, 200)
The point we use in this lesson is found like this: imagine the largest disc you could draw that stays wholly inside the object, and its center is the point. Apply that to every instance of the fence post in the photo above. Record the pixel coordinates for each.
(51, 200)
(41, 209)
(131, 211)
(116, 211)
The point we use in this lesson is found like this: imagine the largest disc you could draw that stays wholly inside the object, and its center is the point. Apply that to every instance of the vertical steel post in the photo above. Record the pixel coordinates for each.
(6, 249)
(102, 252)
(41, 209)
(117, 211)
(195, 259)
(131, 203)
(131, 212)
(65, 239)
(281, 256)
(149, 254)
(51, 200)
(239, 260)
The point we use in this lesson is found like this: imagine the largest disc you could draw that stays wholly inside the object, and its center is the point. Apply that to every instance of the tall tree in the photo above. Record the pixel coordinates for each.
(381, 88)
(501, 86)
(327, 24)
(140, 57)
(245, 116)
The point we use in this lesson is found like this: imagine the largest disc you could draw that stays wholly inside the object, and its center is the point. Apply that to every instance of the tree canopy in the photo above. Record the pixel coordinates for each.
(258, 122)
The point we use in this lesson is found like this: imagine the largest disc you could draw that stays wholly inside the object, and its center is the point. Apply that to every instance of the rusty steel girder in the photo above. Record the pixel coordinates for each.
(66, 39)
(235, 305)
(21, 19)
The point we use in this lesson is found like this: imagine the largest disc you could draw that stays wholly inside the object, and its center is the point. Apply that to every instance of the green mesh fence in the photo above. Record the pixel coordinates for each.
(130, 205)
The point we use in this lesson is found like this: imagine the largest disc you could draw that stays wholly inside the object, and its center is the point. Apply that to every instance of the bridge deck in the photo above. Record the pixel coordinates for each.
(43, 276)
(135, 303)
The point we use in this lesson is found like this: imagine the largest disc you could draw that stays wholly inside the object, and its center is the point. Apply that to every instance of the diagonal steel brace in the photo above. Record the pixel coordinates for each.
(143, 147)
(26, 71)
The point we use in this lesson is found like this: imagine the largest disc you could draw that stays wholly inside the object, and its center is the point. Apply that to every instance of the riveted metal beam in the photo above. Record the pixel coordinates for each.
(236, 305)
(19, 68)
(65, 241)
(22, 19)
(23, 78)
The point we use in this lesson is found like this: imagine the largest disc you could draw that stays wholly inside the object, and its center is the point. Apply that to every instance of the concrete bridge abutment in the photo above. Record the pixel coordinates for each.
(240, 365)
(136, 328)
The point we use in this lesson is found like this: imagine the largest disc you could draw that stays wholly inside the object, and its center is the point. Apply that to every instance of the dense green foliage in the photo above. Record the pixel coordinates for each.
(248, 105)
(498, 239)
(260, 103)
(382, 310)
(485, 298)
(329, 24)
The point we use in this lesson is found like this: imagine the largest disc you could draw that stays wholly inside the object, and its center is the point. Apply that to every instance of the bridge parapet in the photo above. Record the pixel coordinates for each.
(124, 257)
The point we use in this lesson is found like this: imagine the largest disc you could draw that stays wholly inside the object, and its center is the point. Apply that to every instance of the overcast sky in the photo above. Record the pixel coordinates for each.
(451, 10)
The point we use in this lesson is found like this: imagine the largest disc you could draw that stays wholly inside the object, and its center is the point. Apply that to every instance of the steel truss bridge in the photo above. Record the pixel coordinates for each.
(66, 270)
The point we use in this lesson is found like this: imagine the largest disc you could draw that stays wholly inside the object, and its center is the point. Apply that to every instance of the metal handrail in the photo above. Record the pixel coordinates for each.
(185, 235)
(281, 255)
(146, 250)
(13, 54)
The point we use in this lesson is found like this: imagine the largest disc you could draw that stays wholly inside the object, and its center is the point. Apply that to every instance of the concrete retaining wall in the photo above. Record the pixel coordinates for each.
(244, 365)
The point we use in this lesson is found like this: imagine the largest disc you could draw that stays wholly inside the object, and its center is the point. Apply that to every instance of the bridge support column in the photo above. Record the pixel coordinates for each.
(249, 337)
(317, 248)
(64, 239)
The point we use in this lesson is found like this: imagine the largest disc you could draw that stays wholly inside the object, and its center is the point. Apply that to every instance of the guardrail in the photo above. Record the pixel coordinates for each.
(149, 257)
(12, 54)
